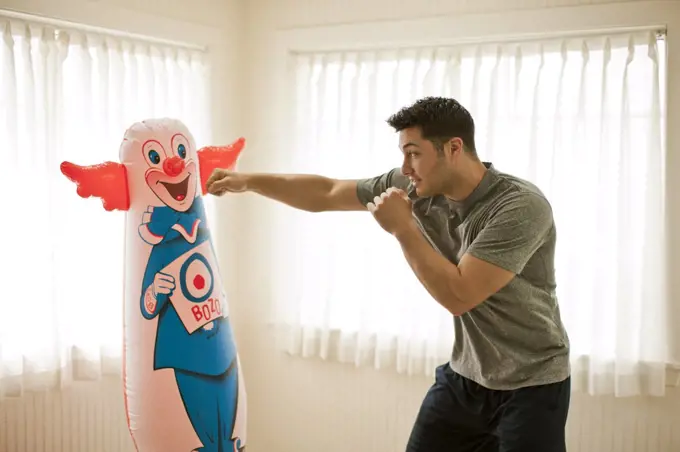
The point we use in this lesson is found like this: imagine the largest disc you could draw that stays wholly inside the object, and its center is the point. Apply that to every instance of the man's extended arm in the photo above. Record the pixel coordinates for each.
(500, 251)
(301, 191)
(307, 192)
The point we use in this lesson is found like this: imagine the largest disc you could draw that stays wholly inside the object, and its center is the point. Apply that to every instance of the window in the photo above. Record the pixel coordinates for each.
(68, 95)
(583, 118)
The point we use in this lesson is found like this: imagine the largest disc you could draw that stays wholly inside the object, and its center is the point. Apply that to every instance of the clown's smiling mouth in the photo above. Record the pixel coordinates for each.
(179, 190)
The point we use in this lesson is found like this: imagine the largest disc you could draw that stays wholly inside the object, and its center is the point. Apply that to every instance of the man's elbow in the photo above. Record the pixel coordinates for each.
(455, 306)
(459, 306)
(460, 311)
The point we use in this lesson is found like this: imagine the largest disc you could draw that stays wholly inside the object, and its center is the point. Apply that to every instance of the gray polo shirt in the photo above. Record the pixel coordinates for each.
(516, 337)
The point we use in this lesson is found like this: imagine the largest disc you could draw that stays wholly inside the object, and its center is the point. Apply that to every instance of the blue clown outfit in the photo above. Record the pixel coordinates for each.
(204, 361)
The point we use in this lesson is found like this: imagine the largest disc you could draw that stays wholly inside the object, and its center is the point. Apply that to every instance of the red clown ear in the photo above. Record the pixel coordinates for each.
(107, 181)
(211, 158)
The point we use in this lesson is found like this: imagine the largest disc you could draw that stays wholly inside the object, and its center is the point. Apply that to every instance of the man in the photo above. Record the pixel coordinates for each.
(482, 243)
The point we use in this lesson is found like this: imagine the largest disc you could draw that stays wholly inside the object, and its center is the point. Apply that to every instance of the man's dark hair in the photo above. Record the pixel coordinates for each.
(439, 120)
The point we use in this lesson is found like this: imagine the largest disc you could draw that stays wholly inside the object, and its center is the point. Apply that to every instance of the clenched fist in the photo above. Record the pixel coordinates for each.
(222, 181)
(392, 210)
(163, 284)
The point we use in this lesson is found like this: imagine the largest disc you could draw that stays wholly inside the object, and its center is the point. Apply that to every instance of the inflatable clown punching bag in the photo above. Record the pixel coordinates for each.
(183, 383)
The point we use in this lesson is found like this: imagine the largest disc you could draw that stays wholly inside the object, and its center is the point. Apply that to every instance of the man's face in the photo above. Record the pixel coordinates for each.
(430, 171)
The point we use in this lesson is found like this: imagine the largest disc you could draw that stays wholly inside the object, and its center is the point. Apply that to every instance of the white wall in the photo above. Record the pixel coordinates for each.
(294, 405)
(302, 405)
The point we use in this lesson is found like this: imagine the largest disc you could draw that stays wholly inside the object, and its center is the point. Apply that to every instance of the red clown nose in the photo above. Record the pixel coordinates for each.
(173, 166)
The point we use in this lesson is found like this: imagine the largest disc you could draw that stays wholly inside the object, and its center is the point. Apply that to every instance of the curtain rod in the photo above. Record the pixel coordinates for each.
(660, 32)
(68, 25)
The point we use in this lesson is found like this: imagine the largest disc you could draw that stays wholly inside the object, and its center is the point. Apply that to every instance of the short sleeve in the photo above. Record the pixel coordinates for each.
(367, 189)
(516, 230)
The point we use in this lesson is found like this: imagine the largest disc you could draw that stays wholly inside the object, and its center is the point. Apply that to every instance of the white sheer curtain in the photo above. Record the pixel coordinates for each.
(67, 95)
(580, 117)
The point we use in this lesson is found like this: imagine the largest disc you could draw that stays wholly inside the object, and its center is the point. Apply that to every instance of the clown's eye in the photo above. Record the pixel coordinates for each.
(154, 157)
(181, 151)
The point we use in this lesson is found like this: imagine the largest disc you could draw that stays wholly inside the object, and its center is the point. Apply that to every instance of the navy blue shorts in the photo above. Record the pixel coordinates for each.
(458, 415)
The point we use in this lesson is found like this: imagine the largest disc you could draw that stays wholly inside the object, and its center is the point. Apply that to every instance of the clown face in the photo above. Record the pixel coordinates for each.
(172, 172)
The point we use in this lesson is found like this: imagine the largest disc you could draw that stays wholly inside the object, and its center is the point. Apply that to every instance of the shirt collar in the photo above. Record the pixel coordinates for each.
(461, 208)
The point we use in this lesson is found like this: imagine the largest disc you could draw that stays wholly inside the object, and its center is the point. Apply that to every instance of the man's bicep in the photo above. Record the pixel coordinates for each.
(481, 279)
(343, 196)
(514, 233)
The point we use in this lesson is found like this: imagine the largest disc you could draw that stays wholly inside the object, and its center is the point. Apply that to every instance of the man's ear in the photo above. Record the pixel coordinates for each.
(456, 145)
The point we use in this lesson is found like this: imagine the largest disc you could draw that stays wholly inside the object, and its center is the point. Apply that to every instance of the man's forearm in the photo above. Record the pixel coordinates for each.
(301, 191)
(440, 277)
